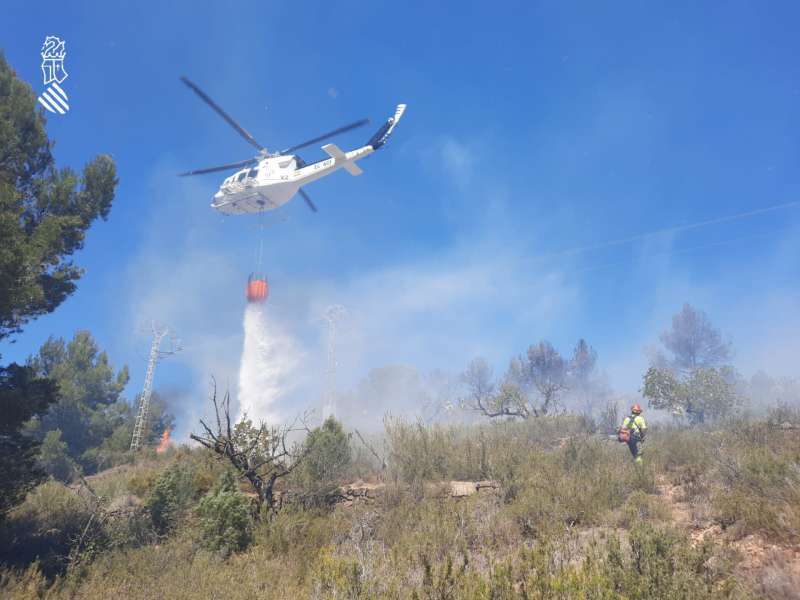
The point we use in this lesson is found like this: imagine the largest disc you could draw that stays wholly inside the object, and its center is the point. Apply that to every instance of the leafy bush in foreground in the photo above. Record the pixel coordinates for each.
(45, 528)
(170, 496)
(225, 520)
(327, 455)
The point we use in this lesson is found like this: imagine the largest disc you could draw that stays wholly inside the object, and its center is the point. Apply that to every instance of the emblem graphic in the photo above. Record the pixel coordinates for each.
(54, 99)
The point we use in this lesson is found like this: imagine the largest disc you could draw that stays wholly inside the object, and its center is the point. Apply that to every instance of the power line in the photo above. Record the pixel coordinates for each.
(677, 229)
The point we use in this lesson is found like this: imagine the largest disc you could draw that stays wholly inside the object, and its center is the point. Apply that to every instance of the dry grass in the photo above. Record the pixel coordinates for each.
(574, 519)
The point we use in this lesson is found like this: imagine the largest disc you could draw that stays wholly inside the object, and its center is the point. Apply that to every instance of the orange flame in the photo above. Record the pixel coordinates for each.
(165, 442)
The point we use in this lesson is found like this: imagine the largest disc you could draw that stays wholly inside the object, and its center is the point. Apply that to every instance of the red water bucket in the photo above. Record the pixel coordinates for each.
(257, 288)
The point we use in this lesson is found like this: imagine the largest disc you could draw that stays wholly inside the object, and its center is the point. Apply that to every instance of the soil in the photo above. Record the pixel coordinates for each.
(771, 569)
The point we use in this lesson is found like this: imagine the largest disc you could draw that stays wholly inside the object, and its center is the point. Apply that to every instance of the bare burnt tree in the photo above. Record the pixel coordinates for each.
(530, 387)
(489, 399)
(547, 371)
(583, 385)
(260, 454)
(480, 389)
(581, 367)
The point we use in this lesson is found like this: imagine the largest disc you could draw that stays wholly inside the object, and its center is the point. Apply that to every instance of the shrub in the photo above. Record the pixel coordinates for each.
(760, 492)
(46, 526)
(326, 457)
(336, 577)
(577, 485)
(297, 535)
(54, 459)
(640, 507)
(664, 564)
(141, 482)
(225, 519)
(170, 496)
(29, 584)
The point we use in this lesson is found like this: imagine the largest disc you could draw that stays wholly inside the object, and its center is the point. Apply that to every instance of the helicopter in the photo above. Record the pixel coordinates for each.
(270, 179)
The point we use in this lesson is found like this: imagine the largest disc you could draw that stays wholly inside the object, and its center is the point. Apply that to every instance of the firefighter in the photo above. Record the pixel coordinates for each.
(638, 429)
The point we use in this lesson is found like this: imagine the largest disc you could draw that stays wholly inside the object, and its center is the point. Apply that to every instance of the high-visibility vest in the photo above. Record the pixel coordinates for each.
(635, 423)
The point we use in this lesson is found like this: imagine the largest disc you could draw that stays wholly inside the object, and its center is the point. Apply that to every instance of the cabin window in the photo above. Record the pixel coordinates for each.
(241, 176)
(253, 173)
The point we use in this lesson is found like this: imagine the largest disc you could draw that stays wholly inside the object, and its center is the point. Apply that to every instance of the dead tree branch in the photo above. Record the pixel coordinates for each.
(381, 460)
(260, 454)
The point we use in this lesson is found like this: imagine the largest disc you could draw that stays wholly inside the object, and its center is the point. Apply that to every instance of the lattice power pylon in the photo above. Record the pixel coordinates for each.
(156, 353)
(333, 314)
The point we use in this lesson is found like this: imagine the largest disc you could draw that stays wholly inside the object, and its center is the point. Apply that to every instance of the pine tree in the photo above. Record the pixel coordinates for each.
(44, 215)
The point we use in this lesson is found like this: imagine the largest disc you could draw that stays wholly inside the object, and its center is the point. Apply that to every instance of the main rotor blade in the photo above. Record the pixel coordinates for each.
(228, 167)
(307, 199)
(327, 135)
(241, 130)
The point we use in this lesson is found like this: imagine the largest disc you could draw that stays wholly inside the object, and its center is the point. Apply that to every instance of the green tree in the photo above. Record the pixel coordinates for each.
(54, 459)
(225, 519)
(170, 496)
(327, 455)
(692, 342)
(90, 406)
(44, 214)
(692, 380)
(22, 396)
(707, 393)
(44, 211)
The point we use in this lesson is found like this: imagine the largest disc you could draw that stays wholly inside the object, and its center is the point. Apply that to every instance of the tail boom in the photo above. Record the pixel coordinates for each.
(339, 159)
(346, 161)
(381, 136)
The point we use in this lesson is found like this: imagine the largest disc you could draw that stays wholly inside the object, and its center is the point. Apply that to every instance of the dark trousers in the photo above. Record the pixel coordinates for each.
(635, 446)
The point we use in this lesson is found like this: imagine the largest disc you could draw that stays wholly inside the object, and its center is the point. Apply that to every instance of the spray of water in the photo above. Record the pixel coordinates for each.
(268, 357)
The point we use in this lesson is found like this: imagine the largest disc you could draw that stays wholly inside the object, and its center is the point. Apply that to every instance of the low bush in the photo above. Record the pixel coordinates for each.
(759, 492)
(170, 496)
(574, 518)
(54, 458)
(327, 456)
(649, 563)
(27, 584)
(45, 527)
(419, 453)
(225, 521)
(578, 485)
(337, 577)
(297, 535)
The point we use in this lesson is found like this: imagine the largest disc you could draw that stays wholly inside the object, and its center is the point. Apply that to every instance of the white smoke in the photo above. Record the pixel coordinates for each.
(268, 359)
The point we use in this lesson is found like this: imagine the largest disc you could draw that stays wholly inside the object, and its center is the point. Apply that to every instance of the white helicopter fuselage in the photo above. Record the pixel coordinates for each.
(274, 180)
(270, 180)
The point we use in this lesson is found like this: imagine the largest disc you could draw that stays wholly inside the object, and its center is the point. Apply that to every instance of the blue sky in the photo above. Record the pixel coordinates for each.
(536, 134)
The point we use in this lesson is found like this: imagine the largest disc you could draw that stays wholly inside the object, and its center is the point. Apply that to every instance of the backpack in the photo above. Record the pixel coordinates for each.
(624, 434)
